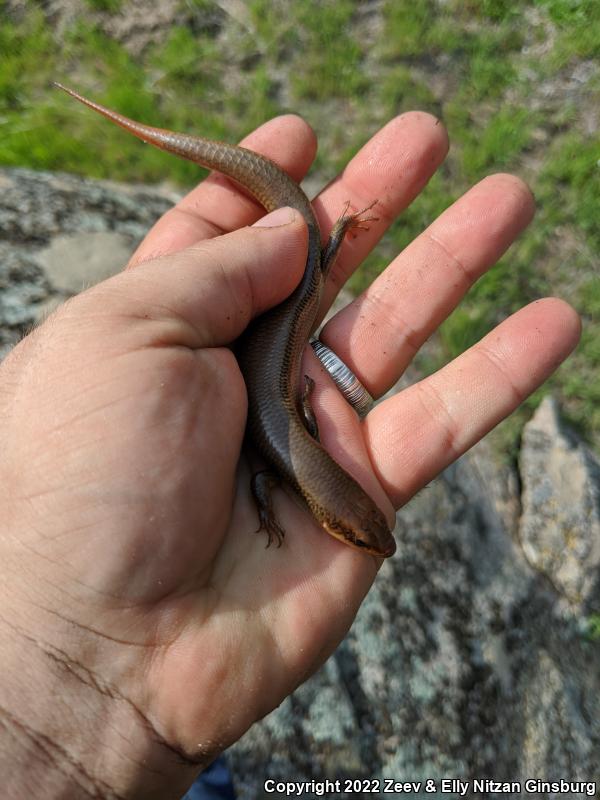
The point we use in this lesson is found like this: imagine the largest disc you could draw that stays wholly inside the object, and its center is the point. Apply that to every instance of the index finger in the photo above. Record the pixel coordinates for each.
(219, 205)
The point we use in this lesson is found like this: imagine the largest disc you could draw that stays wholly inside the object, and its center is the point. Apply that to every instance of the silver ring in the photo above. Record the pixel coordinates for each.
(346, 381)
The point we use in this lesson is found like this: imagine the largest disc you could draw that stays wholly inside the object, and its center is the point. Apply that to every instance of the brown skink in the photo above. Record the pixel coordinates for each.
(280, 421)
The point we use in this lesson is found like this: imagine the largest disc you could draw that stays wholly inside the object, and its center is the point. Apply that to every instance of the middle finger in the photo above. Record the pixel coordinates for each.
(378, 334)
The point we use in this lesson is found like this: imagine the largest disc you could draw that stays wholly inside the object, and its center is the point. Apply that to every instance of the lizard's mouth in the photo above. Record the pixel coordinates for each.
(349, 537)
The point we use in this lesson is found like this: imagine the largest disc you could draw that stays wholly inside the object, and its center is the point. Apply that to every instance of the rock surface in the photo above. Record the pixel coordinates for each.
(471, 657)
(59, 234)
(464, 661)
(560, 525)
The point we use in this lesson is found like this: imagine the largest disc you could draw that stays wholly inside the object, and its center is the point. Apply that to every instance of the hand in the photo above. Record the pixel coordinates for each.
(154, 625)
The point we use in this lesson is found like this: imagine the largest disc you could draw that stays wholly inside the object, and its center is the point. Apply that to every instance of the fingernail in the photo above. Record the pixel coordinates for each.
(281, 216)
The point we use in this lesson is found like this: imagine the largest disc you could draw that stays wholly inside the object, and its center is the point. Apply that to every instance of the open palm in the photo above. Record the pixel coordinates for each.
(123, 474)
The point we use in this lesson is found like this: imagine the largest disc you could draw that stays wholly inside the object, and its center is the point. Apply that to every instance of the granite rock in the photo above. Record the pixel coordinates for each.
(60, 234)
(560, 525)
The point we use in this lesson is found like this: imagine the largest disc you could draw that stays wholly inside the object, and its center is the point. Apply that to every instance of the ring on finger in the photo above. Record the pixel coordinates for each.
(346, 381)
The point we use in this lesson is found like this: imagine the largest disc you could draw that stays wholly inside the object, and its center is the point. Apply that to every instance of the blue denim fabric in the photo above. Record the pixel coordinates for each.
(212, 784)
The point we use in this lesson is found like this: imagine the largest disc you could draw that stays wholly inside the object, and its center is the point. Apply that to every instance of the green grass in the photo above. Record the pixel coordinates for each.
(24, 48)
(593, 627)
(328, 59)
(573, 170)
(499, 144)
(111, 6)
(578, 29)
(513, 80)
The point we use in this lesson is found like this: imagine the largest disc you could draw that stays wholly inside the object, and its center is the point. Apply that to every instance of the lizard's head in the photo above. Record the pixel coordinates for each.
(362, 526)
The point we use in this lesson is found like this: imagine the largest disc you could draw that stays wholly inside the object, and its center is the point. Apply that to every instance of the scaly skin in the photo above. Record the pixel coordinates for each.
(270, 354)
